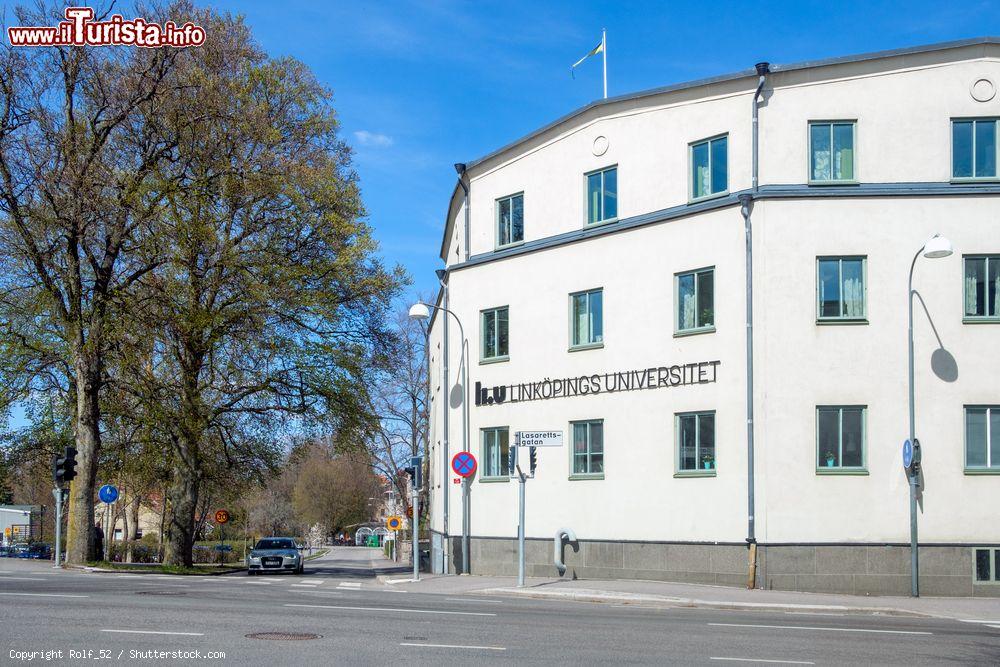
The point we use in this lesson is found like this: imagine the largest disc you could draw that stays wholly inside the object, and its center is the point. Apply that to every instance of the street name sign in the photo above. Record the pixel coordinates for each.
(538, 438)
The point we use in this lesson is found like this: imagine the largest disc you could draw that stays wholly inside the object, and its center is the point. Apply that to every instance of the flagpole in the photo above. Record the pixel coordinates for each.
(604, 52)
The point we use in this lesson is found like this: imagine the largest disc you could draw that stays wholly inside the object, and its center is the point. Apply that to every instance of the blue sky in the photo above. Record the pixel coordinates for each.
(420, 86)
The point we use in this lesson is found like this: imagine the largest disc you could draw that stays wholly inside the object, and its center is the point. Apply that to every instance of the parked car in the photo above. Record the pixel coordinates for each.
(39, 551)
(4, 551)
(275, 554)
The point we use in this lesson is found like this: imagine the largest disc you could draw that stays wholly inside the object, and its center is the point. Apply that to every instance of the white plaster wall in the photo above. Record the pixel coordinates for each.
(639, 498)
(801, 365)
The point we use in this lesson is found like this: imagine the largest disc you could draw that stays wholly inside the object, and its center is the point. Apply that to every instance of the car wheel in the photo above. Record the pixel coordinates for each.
(249, 572)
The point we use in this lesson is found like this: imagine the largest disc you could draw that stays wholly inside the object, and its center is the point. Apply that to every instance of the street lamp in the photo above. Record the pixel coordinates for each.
(422, 311)
(935, 248)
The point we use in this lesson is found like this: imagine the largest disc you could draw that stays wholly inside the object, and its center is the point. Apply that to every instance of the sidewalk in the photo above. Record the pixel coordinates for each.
(659, 593)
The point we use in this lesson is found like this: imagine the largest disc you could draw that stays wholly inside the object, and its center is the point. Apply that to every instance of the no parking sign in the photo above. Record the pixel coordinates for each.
(464, 464)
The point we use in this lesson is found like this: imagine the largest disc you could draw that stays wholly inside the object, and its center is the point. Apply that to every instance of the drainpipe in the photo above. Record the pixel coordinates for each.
(762, 72)
(746, 205)
(442, 275)
(460, 169)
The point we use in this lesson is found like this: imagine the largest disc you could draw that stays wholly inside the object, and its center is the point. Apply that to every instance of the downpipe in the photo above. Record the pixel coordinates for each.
(746, 206)
(569, 536)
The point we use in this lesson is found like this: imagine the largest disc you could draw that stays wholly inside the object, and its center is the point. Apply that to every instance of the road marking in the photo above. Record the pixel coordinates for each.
(781, 662)
(156, 632)
(22, 579)
(812, 613)
(406, 611)
(467, 599)
(994, 626)
(961, 620)
(478, 648)
(47, 595)
(804, 627)
(348, 584)
(313, 586)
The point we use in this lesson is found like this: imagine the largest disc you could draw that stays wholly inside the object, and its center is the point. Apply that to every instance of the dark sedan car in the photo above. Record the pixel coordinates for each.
(275, 554)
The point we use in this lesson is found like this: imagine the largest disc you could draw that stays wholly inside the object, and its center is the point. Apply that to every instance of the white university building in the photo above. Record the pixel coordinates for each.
(600, 269)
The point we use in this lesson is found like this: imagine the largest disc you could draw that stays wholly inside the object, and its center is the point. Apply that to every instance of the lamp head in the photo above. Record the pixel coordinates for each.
(420, 311)
(937, 246)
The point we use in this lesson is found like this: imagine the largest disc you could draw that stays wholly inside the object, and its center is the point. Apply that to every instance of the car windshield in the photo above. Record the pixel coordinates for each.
(275, 544)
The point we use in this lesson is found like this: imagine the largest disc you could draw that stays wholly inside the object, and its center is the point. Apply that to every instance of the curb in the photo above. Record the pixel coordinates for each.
(585, 595)
(104, 570)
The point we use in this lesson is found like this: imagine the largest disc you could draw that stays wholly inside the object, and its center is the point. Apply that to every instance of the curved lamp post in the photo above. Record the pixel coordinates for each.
(935, 248)
(422, 311)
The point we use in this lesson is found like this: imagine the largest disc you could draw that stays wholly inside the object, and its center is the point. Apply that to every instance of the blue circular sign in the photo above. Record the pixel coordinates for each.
(907, 454)
(108, 494)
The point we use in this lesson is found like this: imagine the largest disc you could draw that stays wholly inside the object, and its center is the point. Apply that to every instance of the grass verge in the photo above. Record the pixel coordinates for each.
(157, 568)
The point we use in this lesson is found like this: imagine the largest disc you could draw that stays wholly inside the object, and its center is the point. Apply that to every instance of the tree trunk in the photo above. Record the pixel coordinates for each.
(80, 524)
(132, 524)
(183, 494)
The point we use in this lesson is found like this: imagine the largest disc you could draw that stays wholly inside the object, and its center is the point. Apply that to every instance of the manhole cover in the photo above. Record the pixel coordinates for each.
(283, 636)
(159, 593)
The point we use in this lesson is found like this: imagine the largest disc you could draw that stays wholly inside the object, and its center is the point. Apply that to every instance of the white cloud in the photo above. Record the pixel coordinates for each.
(374, 139)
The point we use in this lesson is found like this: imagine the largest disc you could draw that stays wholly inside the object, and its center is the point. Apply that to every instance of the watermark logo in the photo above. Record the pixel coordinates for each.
(80, 29)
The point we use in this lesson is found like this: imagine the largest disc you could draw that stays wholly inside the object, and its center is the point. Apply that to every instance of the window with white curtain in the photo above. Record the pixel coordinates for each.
(586, 319)
(982, 438)
(831, 151)
(495, 334)
(695, 298)
(588, 449)
(496, 448)
(709, 167)
(840, 288)
(982, 288)
(510, 220)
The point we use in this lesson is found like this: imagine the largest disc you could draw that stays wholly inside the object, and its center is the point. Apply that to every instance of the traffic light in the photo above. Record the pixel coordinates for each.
(414, 474)
(512, 461)
(69, 464)
(57, 470)
(533, 456)
(64, 467)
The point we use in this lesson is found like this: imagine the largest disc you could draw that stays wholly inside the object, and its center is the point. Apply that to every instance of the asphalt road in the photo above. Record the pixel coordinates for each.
(359, 620)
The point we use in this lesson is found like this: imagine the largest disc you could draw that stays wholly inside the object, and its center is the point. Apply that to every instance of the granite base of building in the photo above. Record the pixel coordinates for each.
(945, 570)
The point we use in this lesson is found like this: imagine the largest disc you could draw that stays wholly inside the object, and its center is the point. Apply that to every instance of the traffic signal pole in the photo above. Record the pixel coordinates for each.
(522, 479)
(57, 492)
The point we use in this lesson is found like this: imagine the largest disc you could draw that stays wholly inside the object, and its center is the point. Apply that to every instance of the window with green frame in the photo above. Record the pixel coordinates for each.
(709, 167)
(840, 288)
(987, 565)
(982, 438)
(496, 448)
(695, 292)
(831, 151)
(586, 318)
(982, 288)
(510, 220)
(974, 148)
(588, 448)
(495, 332)
(840, 438)
(695, 441)
(602, 195)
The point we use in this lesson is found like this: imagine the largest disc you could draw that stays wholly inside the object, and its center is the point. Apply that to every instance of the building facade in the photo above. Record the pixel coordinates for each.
(599, 271)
